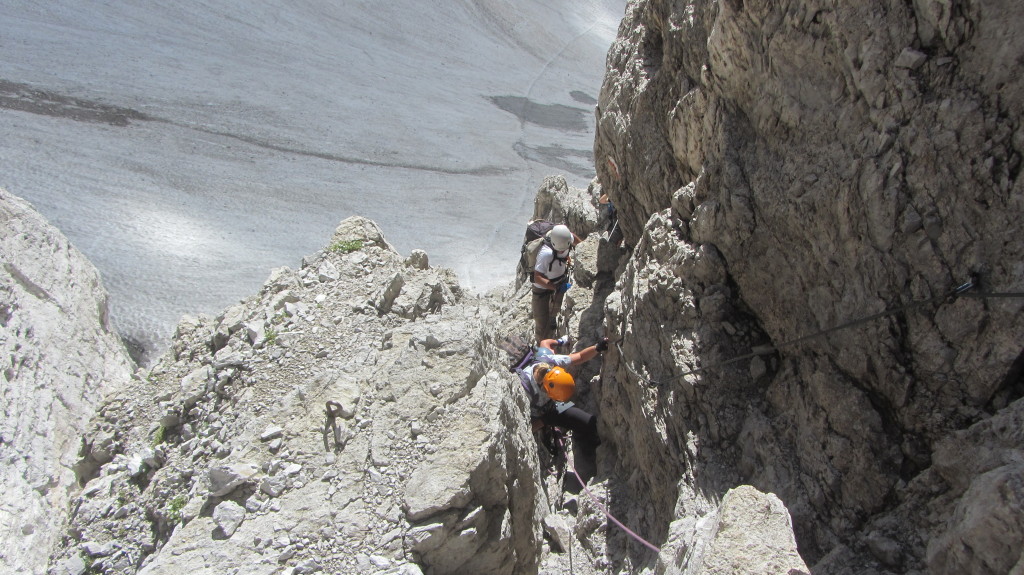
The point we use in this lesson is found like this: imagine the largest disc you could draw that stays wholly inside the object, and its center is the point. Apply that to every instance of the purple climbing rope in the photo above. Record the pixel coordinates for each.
(604, 510)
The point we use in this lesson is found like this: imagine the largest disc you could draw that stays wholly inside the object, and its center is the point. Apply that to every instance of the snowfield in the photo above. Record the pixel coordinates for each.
(189, 149)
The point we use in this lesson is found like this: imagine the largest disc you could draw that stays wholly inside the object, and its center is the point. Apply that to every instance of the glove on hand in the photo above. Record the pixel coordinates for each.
(602, 346)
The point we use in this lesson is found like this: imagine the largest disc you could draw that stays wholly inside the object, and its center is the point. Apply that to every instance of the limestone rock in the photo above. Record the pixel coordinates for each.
(281, 279)
(385, 300)
(225, 478)
(729, 128)
(418, 259)
(228, 515)
(558, 530)
(74, 565)
(557, 202)
(360, 229)
(195, 385)
(433, 489)
(420, 423)
(61, 357)
(255, 332)
(752, 533)
(328, 272)
(272, 432)
(983, 466)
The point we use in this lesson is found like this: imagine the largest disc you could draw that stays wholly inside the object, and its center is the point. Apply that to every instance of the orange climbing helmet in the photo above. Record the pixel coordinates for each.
(558, 384)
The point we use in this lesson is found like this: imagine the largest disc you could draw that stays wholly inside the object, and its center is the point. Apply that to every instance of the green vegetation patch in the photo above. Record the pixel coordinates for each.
(173, 509)
(159, 436)
(346, 246)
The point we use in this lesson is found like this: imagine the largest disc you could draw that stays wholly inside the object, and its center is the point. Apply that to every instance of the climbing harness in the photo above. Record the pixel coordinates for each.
(963, 290)
(611, 517)
(556, 443)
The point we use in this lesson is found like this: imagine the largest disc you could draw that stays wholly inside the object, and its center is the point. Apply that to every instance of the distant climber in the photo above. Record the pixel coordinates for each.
(551, 280)
(612, 219)
(551, 387)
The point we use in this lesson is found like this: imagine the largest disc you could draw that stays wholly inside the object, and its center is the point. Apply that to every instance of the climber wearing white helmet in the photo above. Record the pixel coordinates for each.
(551, 280)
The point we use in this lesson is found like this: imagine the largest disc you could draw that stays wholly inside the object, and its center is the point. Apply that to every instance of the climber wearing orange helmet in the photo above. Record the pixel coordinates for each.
(551, 388)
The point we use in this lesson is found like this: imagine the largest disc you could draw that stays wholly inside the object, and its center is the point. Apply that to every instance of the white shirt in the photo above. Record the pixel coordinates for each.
(546, 256)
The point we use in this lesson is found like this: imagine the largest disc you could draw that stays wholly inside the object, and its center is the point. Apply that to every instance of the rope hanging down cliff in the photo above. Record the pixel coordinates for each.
(963, 290)
(612, 518)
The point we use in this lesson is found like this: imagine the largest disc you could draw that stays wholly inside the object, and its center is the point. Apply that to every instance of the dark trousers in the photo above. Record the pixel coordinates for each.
(547, 304)
(582, 424)
(584, 439)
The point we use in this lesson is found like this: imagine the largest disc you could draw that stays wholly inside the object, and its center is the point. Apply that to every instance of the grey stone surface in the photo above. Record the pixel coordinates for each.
(761, 199)
(225, 478)
(752, 533)
(228, 515)
(782, 170)
(250, 459)
(61, 358)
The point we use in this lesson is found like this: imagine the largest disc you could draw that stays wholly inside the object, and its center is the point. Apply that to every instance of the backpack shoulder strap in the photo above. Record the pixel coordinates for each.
(523, 359)
(554, 253)
(524, 379)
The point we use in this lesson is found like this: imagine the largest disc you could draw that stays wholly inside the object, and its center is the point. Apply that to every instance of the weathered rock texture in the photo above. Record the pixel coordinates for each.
(59, 359)
(780, 169)
(734, 529)
(348, 418)
(751, 533)
(355, 416)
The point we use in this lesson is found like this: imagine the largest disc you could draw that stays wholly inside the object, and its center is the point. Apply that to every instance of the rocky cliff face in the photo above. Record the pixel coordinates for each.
(782, 169)
(59, 359)
(346, 419)
(355, 416)
(799, 188)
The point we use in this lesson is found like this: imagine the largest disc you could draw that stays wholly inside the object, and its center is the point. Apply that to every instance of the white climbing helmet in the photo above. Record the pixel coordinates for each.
(561, 237)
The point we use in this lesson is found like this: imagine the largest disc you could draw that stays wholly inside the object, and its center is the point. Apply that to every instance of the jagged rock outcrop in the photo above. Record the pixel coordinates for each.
(354, 416)
(60, 357)
(780, 169)
(750, 533)
(779, 172)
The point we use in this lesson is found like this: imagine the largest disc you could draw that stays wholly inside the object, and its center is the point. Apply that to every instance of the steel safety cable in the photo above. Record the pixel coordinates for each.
(767, 349)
